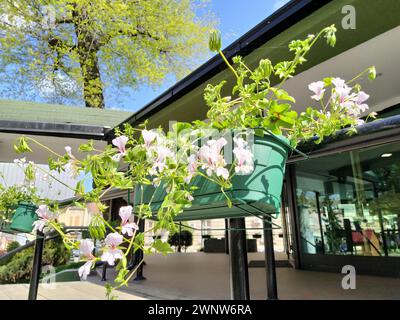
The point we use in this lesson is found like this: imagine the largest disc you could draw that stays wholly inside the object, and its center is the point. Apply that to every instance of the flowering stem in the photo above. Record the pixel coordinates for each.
(44, 147)
(207, 177)
(298, 56)
(111, 228)
(125, 282)
(105, 191)
(59, 181)
(61, 233)
(358, 76)
(228, 64)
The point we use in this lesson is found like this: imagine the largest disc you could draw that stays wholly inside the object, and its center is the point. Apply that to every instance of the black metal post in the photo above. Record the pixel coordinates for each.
(37, 266)
(272, 291)
(104, 273)
(179, 238)
(139, 256)
(226, 236)
(320, 221)
(349, 236)
(239, 273)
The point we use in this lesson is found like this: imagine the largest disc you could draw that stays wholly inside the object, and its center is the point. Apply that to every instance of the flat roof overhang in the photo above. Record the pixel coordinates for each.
(39, 155)
(67, 130)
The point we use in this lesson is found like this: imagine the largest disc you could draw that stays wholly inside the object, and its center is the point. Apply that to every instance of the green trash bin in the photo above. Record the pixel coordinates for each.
(24, 217)
(254, 194)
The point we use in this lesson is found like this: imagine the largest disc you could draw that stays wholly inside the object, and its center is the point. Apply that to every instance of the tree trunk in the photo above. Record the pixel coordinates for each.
(92, 85)
(87, 47)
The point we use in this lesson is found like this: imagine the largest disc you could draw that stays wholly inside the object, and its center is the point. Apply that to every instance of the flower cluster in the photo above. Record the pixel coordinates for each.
(209, 157)
(158, 150)
(244, 157)
(43, 224)
(127, 225)
(343, 97)
(86, 247)
(111, 250)
(120, 142)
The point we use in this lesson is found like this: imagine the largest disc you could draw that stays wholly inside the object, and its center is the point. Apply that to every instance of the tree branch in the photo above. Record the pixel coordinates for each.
(64, 21)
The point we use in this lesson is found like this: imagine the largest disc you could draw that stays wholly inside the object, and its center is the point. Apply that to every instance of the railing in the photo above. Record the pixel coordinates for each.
(37, 257)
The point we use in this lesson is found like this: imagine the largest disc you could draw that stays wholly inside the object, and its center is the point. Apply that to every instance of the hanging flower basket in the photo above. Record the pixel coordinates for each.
(257, 194)
(24, 216)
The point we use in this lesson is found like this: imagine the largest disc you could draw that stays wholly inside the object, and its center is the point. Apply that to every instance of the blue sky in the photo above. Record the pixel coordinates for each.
(235, 17)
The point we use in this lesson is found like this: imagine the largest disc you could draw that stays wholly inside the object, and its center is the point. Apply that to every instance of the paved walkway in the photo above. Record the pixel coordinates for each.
(77, 290)
(206, 276)
(203, 276)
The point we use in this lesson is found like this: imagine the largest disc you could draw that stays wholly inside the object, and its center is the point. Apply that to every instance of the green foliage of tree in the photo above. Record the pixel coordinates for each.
(19, 268)
(186, 239)
(67, 49)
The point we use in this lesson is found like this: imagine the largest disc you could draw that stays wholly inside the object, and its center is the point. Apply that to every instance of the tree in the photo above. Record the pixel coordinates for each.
(184, 238)
(70, 50)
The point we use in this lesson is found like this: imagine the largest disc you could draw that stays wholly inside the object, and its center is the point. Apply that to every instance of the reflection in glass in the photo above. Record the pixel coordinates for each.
(349, 203)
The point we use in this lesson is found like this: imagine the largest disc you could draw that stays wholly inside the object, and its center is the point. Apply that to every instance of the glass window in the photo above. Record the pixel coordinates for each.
(349, 203)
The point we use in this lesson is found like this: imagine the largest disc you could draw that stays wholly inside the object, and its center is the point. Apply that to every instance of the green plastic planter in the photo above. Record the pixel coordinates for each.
(256, 194)
(24, 216)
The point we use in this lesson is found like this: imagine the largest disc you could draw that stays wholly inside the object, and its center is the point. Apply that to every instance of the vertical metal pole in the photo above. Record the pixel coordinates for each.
(179, 237)
(349, 236)
(226, 236)
(384, 239)
(239, 273)
(104, 274)
(37, 266)
(139, 256)
(320, 221)
(272, 291)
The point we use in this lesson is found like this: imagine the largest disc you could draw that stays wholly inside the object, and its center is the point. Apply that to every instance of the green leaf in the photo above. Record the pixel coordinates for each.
(79, 205)
(162, 247)
(283, 95)
(80, 187)
(87, 147)
(259, 132)
(287, 120)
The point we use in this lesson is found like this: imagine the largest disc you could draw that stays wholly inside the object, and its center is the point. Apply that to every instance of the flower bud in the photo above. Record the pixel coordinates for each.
(214, 41)
(372, 73)
(265, 67)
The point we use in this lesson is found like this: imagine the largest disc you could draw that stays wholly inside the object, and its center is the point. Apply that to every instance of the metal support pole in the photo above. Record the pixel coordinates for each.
(320, 221)
(139, 256)
(272, 291)
(239, 273)
(37, 266)
(226, 236)
(104, 274)
(179, 237)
